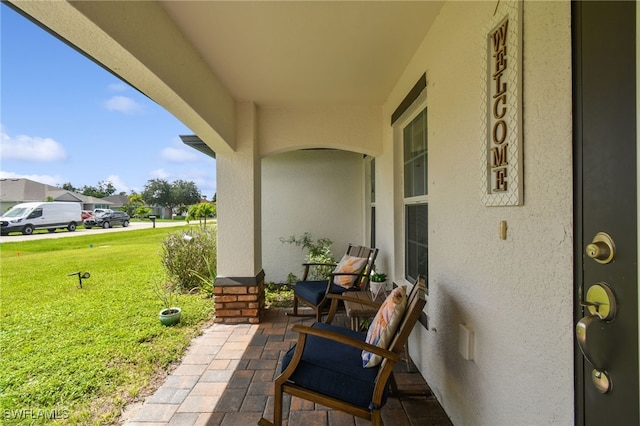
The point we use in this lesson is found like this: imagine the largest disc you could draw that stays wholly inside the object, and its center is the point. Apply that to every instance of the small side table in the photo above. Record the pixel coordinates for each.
(356, 310)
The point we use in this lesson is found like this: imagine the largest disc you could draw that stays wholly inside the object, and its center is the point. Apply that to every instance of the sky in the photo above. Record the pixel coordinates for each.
(65, 119)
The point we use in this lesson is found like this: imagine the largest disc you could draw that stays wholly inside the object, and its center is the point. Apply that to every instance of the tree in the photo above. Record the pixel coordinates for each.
(67, 186)
(175, 196)
(135, 207)
(157, 192)
(201, 212)
(142, 211)
(184, 193)
(104, 189)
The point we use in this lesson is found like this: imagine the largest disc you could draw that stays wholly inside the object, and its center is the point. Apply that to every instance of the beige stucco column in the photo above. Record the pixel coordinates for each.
(239, 286)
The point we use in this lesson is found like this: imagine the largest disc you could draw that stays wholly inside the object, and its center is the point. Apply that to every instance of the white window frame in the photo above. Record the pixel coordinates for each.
(401, 202)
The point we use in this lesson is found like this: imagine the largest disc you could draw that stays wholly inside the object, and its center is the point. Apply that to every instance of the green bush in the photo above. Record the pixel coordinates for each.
(189, 256)
(318, 251)
(278, 295)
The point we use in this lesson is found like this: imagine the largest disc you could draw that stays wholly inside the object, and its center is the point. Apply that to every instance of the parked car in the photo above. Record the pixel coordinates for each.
(27, 217)
(100, 211)
(107, 219)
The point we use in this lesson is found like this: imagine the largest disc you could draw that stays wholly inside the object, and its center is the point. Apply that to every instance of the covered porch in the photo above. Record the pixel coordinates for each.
(311, 108)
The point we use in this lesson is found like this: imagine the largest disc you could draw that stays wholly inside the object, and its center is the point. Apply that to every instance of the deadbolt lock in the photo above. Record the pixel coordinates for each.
(601, 302)
(602, 249)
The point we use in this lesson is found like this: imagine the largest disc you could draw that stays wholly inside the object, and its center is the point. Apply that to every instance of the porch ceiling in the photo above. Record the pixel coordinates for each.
(288, 52)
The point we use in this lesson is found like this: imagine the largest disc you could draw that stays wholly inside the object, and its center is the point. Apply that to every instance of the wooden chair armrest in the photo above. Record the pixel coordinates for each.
(353, 274)
(341, 338)
(350, 298)
(306, 266)
(319, 264)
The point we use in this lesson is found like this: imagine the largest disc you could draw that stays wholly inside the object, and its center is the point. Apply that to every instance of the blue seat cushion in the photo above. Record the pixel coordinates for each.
(313, 291)
(335, 369)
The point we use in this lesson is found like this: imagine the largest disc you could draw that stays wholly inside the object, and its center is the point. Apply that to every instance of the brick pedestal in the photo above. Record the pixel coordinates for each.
(239, 300)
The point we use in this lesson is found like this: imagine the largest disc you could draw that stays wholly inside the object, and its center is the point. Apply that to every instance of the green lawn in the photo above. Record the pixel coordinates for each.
(83, 353)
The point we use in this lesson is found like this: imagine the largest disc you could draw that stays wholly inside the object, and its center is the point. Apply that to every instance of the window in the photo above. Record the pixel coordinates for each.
(415, 156)
(416, 237)
(414, 140)
(35, 213)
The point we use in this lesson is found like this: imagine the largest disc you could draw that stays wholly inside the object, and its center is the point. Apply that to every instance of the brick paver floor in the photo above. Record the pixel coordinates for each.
(226, 378)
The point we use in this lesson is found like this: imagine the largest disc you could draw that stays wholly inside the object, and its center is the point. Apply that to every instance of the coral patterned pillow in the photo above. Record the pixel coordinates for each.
(349, 264)
(385, 324)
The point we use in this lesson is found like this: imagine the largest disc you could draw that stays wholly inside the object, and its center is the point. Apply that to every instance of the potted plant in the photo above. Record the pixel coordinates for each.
(169, 315)
(378, 282)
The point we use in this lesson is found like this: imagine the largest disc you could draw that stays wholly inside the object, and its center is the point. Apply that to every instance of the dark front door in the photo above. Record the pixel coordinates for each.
(606, 295)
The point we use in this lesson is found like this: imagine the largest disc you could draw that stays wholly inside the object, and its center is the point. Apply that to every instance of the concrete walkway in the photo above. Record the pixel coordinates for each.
(84, 232)
(226, 378)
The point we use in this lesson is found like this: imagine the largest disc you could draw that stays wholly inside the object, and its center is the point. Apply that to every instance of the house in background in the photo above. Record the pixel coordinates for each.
(15, 191)
(116, 200)
(356, 120)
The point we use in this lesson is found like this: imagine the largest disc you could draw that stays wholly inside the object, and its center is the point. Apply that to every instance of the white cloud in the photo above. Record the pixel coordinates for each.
(123, 104)
(46, 179)
(178, 155)
(30, 148)
(120, 185)
(159, 174)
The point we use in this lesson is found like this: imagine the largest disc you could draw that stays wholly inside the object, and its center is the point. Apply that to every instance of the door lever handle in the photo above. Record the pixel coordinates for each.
(581, 335)
(599, 376)
(601, 306)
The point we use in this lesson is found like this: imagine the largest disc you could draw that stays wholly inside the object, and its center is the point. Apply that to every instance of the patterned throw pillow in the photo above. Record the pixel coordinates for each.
(350, 264)
(385, 324)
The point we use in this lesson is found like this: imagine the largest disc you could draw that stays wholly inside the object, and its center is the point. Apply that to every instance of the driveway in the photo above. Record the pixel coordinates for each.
(78, 232)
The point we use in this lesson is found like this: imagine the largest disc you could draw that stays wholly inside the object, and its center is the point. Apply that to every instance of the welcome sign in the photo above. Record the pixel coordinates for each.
(502, 166)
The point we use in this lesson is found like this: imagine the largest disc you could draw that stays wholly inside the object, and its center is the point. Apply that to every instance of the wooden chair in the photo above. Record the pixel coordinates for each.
(375, 304)
(325, 367)
(313, 293)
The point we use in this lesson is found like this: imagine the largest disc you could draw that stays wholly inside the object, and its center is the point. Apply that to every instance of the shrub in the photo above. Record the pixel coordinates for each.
(278, 295)
(189, 256)
(318, 251)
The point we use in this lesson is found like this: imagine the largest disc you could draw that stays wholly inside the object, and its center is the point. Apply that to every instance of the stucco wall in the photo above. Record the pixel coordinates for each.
(316, 191)
(346, 127)
(516, 294)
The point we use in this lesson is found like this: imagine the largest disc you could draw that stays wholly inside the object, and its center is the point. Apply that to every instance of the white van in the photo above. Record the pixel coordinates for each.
(27, 217)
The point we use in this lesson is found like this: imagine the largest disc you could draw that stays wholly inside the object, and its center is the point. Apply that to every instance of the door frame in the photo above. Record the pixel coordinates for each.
(638, 155)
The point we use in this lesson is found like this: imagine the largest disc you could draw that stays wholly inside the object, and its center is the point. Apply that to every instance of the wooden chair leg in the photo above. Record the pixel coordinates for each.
(333, 308)
(376, 418)
(294, 312)
(400, 393)
(407, 360)
(277, 405)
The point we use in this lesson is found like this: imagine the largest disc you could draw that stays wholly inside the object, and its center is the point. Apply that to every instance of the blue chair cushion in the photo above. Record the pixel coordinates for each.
(335, 369)
(314, 291)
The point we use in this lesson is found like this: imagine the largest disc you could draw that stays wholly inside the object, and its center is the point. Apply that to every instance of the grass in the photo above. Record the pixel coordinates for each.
(82, 353)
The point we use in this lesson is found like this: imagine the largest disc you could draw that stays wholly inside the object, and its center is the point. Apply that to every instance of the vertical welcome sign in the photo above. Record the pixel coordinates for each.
(501, 106)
